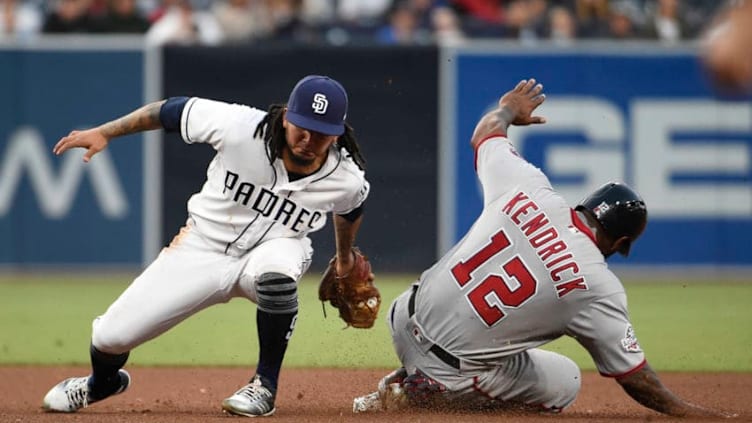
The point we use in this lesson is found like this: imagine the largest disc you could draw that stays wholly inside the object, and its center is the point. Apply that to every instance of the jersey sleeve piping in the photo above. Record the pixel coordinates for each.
(628, 372)
(477, 147)
(187, 113)
(336, 165)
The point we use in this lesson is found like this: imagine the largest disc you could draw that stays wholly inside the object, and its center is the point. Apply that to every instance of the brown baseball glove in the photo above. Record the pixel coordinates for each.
(354, 294)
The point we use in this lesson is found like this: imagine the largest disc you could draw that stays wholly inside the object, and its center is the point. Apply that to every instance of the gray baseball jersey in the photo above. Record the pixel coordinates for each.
(526, 273)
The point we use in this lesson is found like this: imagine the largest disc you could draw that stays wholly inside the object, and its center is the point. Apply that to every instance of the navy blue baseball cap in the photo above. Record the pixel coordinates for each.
(318, 103)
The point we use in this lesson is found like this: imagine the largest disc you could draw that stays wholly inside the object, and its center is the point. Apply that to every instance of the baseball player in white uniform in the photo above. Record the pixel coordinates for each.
(529, 270)
(275, 177)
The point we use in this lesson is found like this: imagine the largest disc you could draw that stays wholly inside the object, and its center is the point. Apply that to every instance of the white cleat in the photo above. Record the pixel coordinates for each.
(252, 400)
(389, 397)
(73, 394)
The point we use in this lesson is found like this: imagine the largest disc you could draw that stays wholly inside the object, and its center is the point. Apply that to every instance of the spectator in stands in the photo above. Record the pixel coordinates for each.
(68, 16)
(156, 13)
(667, 21)
(181, 24)
(362, 13)
(592, 18)
(286, 20)
(123, 17)
(19, 21)
(481, 18)
(526, 19)
(625, 20)
(489, 11)
(403, 27)
(562, 27)
(320, 13)
(243, 20)
(446, 26)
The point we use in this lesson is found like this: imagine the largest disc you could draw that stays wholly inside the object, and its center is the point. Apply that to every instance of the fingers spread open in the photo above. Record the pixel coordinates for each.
(529, 85)
(538, 119)
(537, 89)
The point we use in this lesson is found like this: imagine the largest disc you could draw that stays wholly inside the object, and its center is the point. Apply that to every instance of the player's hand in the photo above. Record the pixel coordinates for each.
(521, 101)
(91, 139)
(727, 59)
(725, 51)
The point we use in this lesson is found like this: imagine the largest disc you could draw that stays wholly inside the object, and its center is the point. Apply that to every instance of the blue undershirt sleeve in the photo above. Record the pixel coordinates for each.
(355, 214)
(170, 113)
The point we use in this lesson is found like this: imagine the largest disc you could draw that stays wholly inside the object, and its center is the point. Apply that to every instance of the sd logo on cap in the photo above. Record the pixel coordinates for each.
(318, 103)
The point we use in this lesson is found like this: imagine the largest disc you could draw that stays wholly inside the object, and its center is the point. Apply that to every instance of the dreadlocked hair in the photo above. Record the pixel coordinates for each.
(270, 129)
(348, 141)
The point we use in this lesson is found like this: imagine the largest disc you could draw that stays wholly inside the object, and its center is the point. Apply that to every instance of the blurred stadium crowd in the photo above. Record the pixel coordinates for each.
(340, 22)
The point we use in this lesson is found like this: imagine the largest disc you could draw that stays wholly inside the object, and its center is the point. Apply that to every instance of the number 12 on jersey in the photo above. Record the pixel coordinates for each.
(494, 291)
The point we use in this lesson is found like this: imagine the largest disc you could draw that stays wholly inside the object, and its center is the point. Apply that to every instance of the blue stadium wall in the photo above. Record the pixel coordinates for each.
(642, 115)
(57, 210)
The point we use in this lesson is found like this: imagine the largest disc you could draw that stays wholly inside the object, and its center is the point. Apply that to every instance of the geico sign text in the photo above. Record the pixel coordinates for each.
(687, 158)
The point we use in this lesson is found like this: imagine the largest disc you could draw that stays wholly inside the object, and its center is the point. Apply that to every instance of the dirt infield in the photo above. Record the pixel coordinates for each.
(322, 395)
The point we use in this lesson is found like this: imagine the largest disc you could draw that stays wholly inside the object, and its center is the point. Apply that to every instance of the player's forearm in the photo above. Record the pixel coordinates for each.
(345, 232)
(646, 388)
(495, 122)
(142, 119)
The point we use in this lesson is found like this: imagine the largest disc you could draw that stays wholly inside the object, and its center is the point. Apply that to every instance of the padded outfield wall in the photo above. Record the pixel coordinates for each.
(643, 114)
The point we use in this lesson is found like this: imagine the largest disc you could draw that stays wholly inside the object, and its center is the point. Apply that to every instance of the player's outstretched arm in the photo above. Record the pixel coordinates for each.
(515, 108)
(645, 387)
(96, 139)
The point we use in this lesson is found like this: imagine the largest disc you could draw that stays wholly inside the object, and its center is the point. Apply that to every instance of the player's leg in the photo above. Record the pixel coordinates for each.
(270, 279)
(536, 379)
(185, 278)
(389, 394)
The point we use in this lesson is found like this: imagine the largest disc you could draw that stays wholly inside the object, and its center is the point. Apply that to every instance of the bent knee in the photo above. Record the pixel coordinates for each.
(570, 382)
(277, 293)
(111, 341)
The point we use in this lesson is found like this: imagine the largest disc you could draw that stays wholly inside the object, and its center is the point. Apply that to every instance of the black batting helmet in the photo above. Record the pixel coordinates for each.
(619, 209)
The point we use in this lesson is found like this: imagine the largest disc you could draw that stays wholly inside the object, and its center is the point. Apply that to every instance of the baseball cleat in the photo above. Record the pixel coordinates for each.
(366, 403)
(73, 394)
(252, 400)
(390, 395)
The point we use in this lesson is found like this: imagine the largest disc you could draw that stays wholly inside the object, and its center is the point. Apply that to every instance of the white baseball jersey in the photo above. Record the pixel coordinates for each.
(248, 219)
(245, 201)
(527, 272)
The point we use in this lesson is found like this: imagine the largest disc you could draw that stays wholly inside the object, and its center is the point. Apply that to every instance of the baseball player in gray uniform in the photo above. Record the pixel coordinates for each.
(275, 177)
(529, 270)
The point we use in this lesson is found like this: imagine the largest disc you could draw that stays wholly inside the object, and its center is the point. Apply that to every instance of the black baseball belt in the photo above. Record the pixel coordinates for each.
(439, 352)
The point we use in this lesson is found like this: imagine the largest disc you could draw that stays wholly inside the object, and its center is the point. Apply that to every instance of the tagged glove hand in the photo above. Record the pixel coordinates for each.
(354, 294)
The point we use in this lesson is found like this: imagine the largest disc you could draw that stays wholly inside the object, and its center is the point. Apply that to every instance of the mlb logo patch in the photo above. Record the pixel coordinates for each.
(601, 208)
(629, 342)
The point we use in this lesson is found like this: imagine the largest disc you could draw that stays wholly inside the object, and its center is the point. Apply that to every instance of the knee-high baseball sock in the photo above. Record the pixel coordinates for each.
(273, 331)
(275, 320)
(105, 380)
